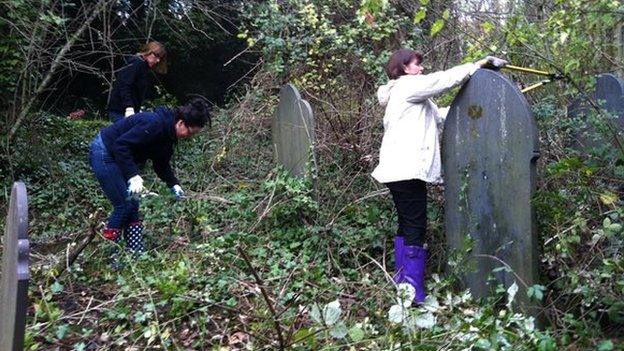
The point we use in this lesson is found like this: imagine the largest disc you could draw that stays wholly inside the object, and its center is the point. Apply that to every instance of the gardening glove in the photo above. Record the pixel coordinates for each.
(135, 186)
(492, 62)
(129, 112)
(177, 191)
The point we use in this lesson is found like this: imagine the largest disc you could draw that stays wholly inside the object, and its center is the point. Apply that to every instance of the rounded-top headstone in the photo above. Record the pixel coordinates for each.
(293, 131)
(609, 94)
(15, 275)
(490, 145)
(610, 90)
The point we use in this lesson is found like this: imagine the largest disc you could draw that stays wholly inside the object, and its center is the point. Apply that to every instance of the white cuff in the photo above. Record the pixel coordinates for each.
(129, 112)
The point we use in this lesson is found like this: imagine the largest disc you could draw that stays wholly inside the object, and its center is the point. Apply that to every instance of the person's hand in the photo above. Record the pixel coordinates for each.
(177, 191)
(492, 62)
(129, 112)
(135, 186)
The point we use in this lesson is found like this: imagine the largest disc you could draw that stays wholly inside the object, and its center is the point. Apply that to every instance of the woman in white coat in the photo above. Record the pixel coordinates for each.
(410, 152)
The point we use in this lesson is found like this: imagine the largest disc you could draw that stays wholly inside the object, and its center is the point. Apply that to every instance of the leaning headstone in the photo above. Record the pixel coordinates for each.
(293, 131)
(14, 288)
(490, 146)
(610, 90)
(619, 42)
(609, 94)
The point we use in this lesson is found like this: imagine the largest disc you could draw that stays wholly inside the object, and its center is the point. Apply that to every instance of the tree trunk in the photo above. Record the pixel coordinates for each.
(56, 64)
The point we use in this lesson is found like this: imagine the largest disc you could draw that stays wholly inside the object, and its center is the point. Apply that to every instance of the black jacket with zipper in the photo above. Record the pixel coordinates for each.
(131, 85)
(143, 136)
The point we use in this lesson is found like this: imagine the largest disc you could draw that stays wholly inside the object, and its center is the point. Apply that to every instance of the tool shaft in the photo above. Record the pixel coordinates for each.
(527, 70)
(536, 85)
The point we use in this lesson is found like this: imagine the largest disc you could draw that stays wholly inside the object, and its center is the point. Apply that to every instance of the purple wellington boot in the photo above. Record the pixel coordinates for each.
(414, 258)
(399, 248)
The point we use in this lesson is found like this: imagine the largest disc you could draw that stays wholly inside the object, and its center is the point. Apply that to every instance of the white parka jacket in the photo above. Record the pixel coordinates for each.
(410, 148)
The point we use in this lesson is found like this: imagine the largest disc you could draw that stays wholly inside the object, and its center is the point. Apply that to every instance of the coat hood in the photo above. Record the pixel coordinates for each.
(383, 93)
(169, 121)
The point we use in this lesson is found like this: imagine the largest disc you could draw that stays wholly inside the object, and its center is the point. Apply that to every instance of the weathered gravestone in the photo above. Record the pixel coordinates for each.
(619, 42)
(490, 145)
(610, 90)
(293, 131)
(14, 288)
(609, 94)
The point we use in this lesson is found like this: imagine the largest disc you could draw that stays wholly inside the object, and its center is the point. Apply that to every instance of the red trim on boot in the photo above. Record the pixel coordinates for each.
(111, 233)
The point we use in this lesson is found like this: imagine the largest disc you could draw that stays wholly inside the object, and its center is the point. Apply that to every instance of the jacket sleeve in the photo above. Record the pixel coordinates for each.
(140, 134)
(441, 114)
(422, 87)
(162, 167)
(125, 82)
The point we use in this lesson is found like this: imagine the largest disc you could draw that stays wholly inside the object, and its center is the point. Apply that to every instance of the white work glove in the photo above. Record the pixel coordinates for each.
(135, 186)
(129, 112)
(492, 62)
(177, 191)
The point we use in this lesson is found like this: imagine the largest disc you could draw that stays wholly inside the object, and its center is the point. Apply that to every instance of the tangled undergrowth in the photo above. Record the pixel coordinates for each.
(256, 259)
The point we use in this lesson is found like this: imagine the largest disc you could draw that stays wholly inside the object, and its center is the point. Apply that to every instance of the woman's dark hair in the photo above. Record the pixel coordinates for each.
(196, 113)
(399, 59)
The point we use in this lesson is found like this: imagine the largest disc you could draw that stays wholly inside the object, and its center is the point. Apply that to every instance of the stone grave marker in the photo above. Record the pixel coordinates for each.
(293, 131)
(15, 275)
(610, 90)
(609, 93)
(490, 146)
(619, 42)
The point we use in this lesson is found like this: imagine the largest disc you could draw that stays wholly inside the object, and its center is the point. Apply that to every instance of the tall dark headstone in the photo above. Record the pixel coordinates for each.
(609, 93)
(619, 42)
(293, 131)
(610, 90)
(15, 275)
(490, 146)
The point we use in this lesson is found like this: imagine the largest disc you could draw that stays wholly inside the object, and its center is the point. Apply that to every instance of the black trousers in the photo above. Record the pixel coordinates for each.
(410, 201)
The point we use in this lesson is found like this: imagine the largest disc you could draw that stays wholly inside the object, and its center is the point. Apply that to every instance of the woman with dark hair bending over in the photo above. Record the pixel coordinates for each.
(118, 150)
(410, 153)
(132, 81)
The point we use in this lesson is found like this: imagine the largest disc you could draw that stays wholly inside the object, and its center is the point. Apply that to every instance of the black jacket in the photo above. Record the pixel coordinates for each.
(131, 84)
(143, 136)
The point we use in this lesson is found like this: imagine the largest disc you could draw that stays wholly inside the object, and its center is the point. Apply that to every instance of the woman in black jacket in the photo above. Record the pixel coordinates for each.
(118, 150)
(133, 81)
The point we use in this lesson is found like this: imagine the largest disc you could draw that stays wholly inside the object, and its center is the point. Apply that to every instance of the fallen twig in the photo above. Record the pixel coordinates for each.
(71, 257)
(278, 327)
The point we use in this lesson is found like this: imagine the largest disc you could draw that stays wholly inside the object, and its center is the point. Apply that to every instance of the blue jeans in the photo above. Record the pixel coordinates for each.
(115, 116)
(112, 181)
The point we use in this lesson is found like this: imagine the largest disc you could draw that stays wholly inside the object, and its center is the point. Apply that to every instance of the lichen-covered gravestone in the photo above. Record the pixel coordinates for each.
(490, 145)
(610, 90)
(14, 288)
(293, 131)
(609, 94)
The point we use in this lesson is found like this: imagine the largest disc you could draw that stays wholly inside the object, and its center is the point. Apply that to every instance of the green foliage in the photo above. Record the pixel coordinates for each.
(576, 37)
(442, 320)
(322, 249)
(308, 41)
(293, 198)
(194, 278)
(56, 171)
(27, 30)
(579, 215)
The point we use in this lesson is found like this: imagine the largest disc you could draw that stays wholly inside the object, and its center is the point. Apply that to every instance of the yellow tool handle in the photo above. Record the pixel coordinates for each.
(527, 70)
(536, 85)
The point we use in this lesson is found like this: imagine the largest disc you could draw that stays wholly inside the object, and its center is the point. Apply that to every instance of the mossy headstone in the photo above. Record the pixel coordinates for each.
(293, 131)
(610, 90)
(15, 274)
(609, 95)
(490, 146)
